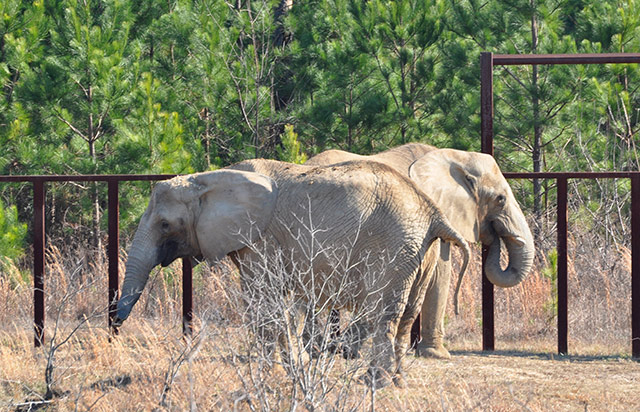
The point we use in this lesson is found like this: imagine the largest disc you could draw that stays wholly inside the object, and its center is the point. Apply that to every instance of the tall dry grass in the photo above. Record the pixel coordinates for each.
(151, 366)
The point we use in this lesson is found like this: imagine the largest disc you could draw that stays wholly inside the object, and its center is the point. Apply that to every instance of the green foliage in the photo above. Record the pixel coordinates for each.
(12, 239)
(290, 150)
(12, 232)
(177, 87)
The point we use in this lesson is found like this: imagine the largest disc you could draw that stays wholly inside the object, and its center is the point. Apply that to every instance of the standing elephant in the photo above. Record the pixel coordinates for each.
(288, 207)
(474, 195)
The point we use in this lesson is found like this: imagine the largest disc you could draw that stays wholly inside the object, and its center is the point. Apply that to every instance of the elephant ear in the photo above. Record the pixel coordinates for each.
(232, 209)
(442, 175)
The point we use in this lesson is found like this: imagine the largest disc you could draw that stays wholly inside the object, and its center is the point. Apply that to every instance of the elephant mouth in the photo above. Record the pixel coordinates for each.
(168, 252)
(500, 230)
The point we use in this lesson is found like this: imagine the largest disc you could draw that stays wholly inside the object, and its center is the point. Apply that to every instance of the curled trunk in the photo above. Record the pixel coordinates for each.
(520, 252)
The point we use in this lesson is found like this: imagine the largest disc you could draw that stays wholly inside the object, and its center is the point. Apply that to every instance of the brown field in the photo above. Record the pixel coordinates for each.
(149, 366)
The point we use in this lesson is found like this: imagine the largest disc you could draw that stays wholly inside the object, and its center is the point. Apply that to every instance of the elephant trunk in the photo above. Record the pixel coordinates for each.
(520, 251)
(448, 234)
(142, 258)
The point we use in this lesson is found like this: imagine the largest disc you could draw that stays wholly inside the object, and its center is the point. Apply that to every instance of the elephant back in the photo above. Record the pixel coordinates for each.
(363, 214)
(401, 157)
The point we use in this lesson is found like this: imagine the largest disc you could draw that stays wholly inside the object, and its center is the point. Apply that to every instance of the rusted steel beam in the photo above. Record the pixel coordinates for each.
(38, 261)
(488, 313)
(187, 296)
(84, 178)
(486, 102)
(486, 132)
(113, 250)
(130, 178)
(598, 58)
(562, 266)
(570, 175)
(635, 266)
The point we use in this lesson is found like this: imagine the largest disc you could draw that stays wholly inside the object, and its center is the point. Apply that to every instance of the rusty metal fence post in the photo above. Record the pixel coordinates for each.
(486, 131)
(635, 266)
(38, 261)
(562, 286)
(187, 297)
(113, 249)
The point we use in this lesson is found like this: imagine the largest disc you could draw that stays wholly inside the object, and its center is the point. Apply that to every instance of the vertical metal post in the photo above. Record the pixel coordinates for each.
(562, 266)
(635, 266)
(488, 315)
(486, 131)
(38, 261)
(113, 250)
(187, 296)
(486, 102)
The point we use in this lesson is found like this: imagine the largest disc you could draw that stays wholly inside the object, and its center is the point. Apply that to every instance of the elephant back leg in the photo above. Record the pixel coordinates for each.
(413, 307)
(434, 308)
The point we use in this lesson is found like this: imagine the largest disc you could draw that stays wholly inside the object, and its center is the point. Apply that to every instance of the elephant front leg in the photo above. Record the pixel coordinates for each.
(290, 340)
(383, 365)
(434, 308)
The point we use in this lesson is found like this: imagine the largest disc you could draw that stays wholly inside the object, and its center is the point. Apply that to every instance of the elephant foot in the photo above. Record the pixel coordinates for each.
(376, 378)
(432, 351)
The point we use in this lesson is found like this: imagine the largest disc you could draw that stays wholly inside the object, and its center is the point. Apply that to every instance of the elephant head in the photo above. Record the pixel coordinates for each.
(474, 195)
(208, 214)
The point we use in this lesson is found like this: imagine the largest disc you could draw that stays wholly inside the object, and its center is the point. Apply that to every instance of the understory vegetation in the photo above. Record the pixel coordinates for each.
(226, 363)
(124, 87)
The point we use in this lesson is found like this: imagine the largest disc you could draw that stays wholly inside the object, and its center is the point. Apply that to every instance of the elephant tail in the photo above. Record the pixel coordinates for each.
(449, 234)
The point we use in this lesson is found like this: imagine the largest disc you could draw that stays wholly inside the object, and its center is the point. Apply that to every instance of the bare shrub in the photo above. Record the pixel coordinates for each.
(280, 343)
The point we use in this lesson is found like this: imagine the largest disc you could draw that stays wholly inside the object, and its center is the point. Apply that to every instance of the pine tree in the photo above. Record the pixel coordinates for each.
(88, 67)
(341, 103)
(401, 38)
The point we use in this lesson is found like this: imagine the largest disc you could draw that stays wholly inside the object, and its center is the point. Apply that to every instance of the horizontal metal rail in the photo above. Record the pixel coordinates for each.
(39, 246)
(598, 58)
(84, 178)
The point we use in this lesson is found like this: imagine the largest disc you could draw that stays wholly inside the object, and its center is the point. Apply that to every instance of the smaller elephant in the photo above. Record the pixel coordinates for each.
(472, 192)
(271, 206)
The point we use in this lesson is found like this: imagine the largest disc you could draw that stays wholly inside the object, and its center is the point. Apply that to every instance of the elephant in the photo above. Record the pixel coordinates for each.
(474, 195)
(287, 207)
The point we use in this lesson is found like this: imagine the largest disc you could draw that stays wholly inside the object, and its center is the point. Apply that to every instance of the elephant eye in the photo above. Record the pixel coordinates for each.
(164, 224)
(501, 199)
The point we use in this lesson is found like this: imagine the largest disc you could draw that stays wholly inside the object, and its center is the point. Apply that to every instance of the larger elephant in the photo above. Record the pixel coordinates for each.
(288, 207)
(476, 198)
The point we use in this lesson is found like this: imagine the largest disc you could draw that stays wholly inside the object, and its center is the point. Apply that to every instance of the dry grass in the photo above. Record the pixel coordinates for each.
(150, 366)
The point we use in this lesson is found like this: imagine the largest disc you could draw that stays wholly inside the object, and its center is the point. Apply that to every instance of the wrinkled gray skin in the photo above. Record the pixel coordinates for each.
(472, 192)
(214, 214)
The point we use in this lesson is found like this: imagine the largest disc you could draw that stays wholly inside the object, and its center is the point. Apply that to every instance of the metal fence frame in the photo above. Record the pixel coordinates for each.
(113, 248)
(487, 62)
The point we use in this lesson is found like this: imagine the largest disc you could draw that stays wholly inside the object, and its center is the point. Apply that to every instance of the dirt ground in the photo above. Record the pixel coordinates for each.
(517, 381)
(469, 381)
